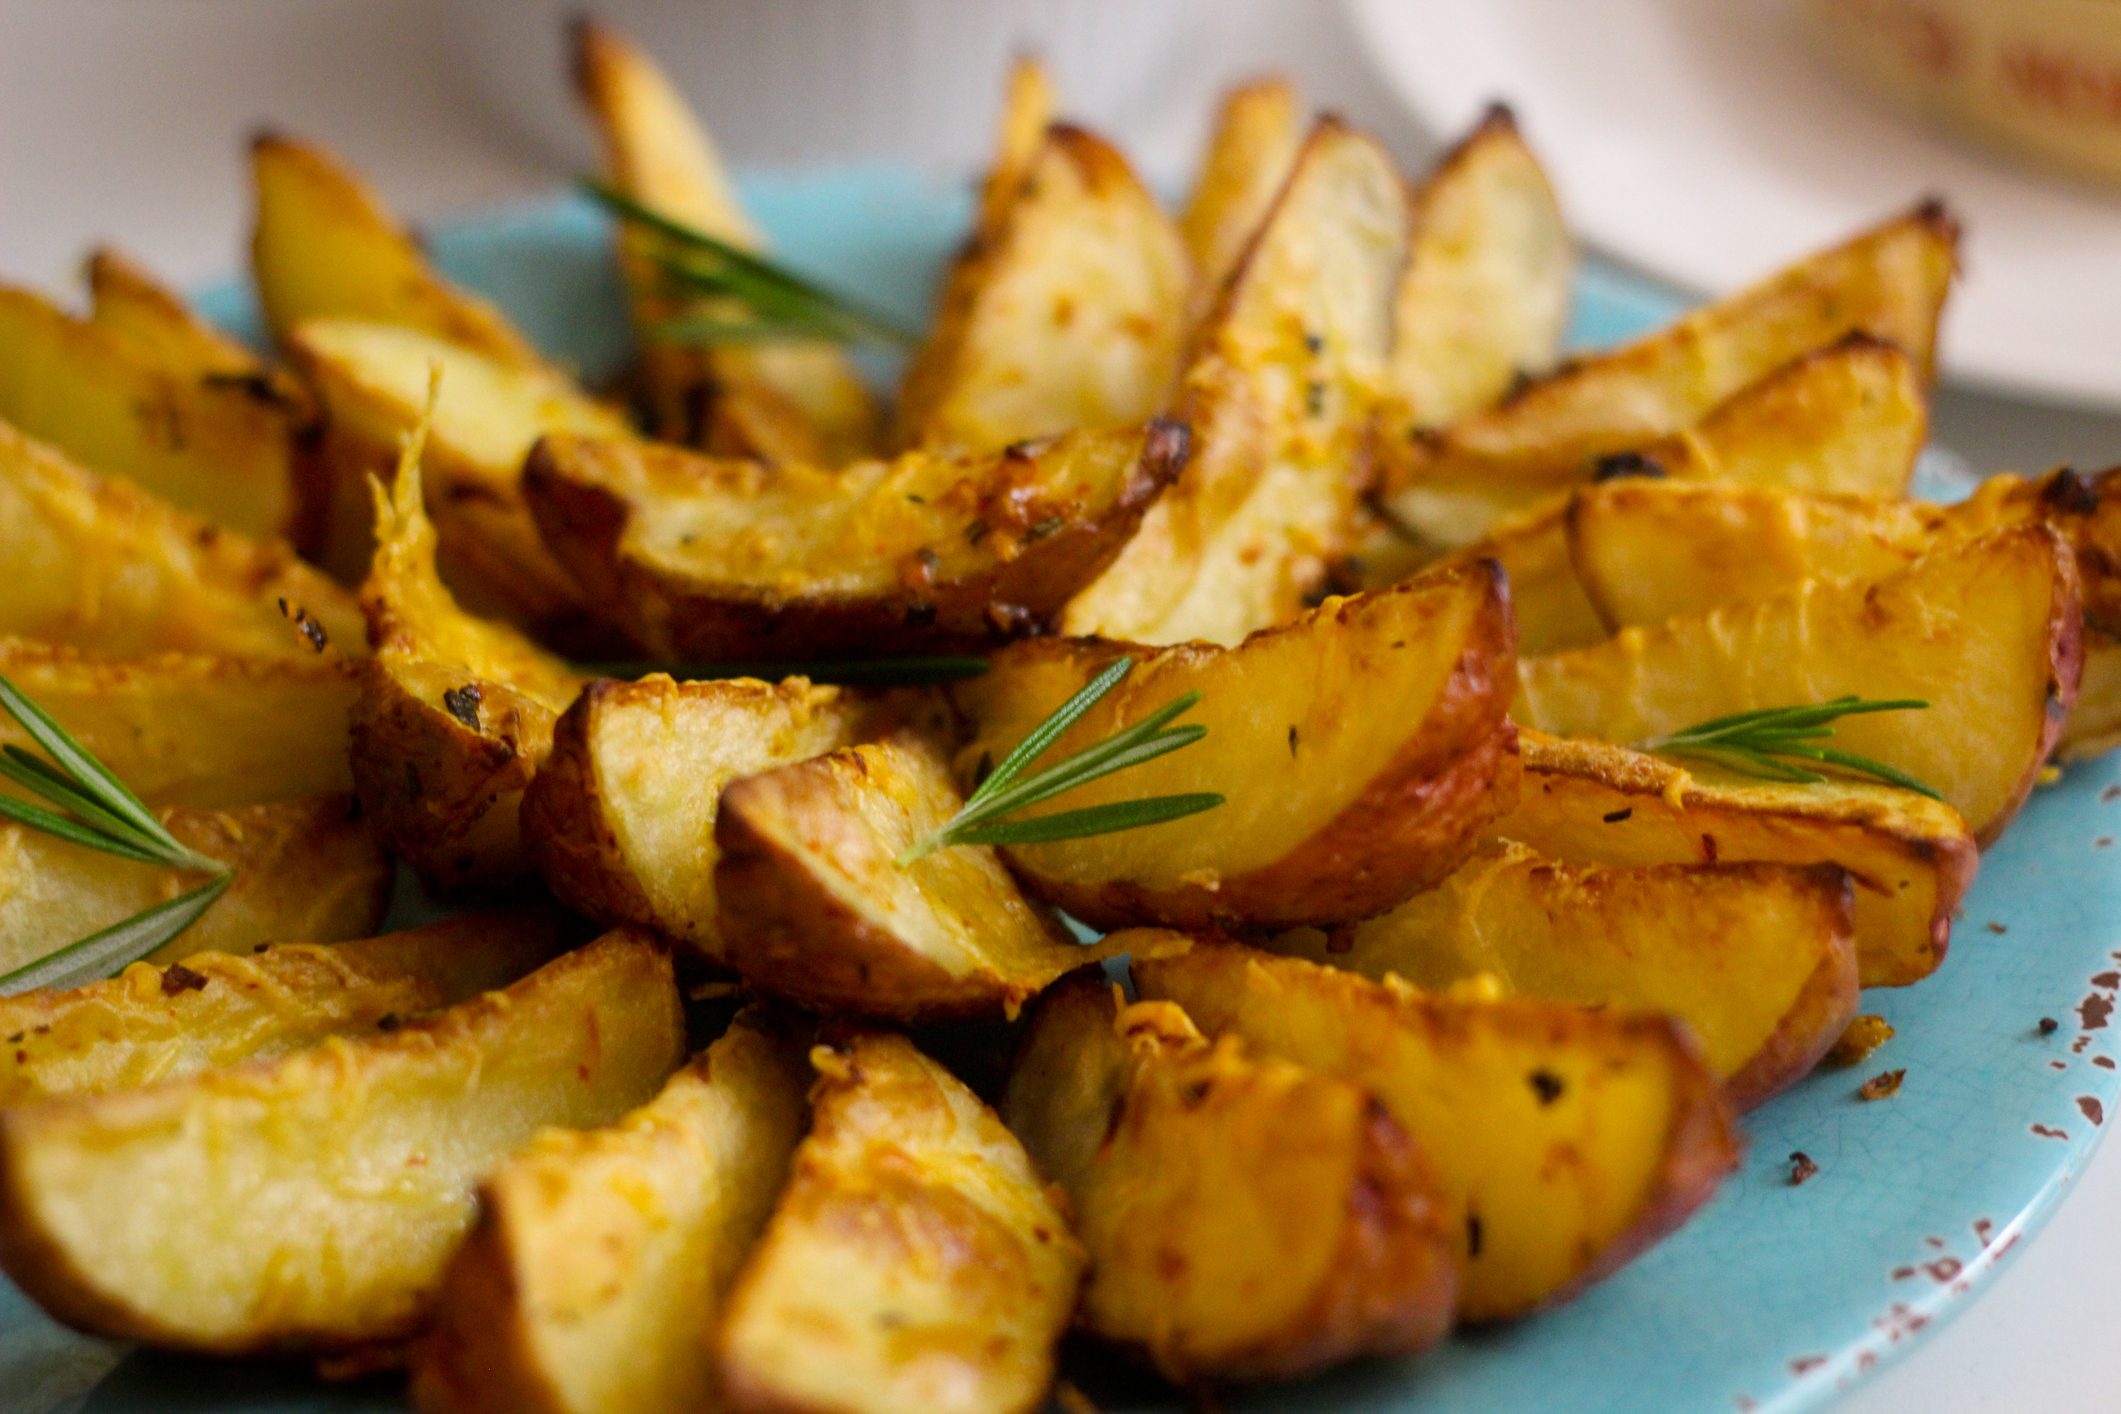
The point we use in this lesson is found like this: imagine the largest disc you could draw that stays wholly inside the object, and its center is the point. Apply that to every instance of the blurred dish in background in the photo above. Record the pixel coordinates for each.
(1696, 138)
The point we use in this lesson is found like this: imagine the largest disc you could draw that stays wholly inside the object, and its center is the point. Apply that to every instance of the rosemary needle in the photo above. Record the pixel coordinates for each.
(1768, 743)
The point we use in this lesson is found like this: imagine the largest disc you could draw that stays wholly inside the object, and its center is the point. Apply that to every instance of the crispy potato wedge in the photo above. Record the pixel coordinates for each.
(219, 445)
(455, 714)
(813, 908)
(2084, 510)
(1485, 297)
(184, 729)
(1989, 633)
(311, 1202)
(1759, 960)
(1554, 614)
(784, 400)
(1566, 1140)
(1910, 858)
(1332, 811)
(1284, 376)
(307, 871)
(1258, 133)
(621, 818)
(1066, 310)
(1890, 283)
(914, 1263)
(1244, 1220)
(372, 380)
(154, 325)
(706, 559)
(2093, 726)
(151, 1024)
(593, 1278)
(105, 567)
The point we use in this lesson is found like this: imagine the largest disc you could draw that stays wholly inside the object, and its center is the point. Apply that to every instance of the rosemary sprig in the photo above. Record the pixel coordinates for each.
(744, 297)
(1003, 793)
(95, 810)
(1768, 743)
(911, 671)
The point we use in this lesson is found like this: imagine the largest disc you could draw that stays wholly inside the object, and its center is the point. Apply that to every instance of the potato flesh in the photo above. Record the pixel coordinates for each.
(311, 1202)
(621, 821)
(152, 1024)
(1910, 858)
(1258, 134)
(1564, 1140)
(1554, 613)
(915, 1261)
(306, 872)
(159, 328)
(183, 729)
(1986, 633)
(592, 1284)
(105, 567)
(1757, 959)
(1283, 379)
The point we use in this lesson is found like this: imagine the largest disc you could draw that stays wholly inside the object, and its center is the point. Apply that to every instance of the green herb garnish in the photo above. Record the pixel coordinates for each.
(1767, 743)
(1002, 793)
(95, 810)
(743, 297)
(912, 671)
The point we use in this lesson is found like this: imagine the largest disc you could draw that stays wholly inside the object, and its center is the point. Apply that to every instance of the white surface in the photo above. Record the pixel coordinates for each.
(124, 119)
(1703, 139)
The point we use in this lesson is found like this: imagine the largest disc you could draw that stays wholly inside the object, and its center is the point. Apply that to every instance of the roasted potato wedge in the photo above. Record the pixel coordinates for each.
(184, 729)
(621, 818)
(1258, 133)
(813, 908)
(310, 1202)
(1451, 483)
(706, 559)
(779, 400)
(1566, 1140)
(153, 1024)
(307, 871)
(2093, 726)
(157, 327)
(1359, 749)
(1910, 858)
(1989, 633)
(1759, 960)
(455, 714)
(1066, 310)
(1284, 376)
(1553, 612)
(220, 446)
(1485, 297)
(105, 567)
(915, 1262)
(1244, 1220)
(592, 1281)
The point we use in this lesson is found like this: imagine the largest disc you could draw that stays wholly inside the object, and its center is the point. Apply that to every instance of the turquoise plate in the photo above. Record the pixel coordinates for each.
(1773, 1299)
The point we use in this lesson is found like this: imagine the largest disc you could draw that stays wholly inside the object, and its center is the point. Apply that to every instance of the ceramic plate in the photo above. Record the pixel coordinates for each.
(1772, 1299)
(1708, 142)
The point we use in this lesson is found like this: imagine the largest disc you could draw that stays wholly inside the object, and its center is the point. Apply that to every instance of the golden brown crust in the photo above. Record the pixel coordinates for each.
(566, 829)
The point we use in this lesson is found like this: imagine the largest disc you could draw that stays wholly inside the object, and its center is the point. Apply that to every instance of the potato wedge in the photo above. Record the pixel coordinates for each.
(621, 818)
(100, 565)
(697, 558)
(1554, 613)
(1910, 858)
(310, 1203)
(1759, 960)
(1066, 310)
(1284, 376)
(1258, 133)
(220, 446)
(779, 400)
(1244, 1220)
(1989, 633)
(2093, 726)
(812, 907)
(1485, 297)
(157, 327)
(153, 1024)
(307, 871)
(1567, 1141)
(1451, 483)
(915, 1262)
(184, 729)
(455, 714)
(593, 1278)
(1359, 749)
